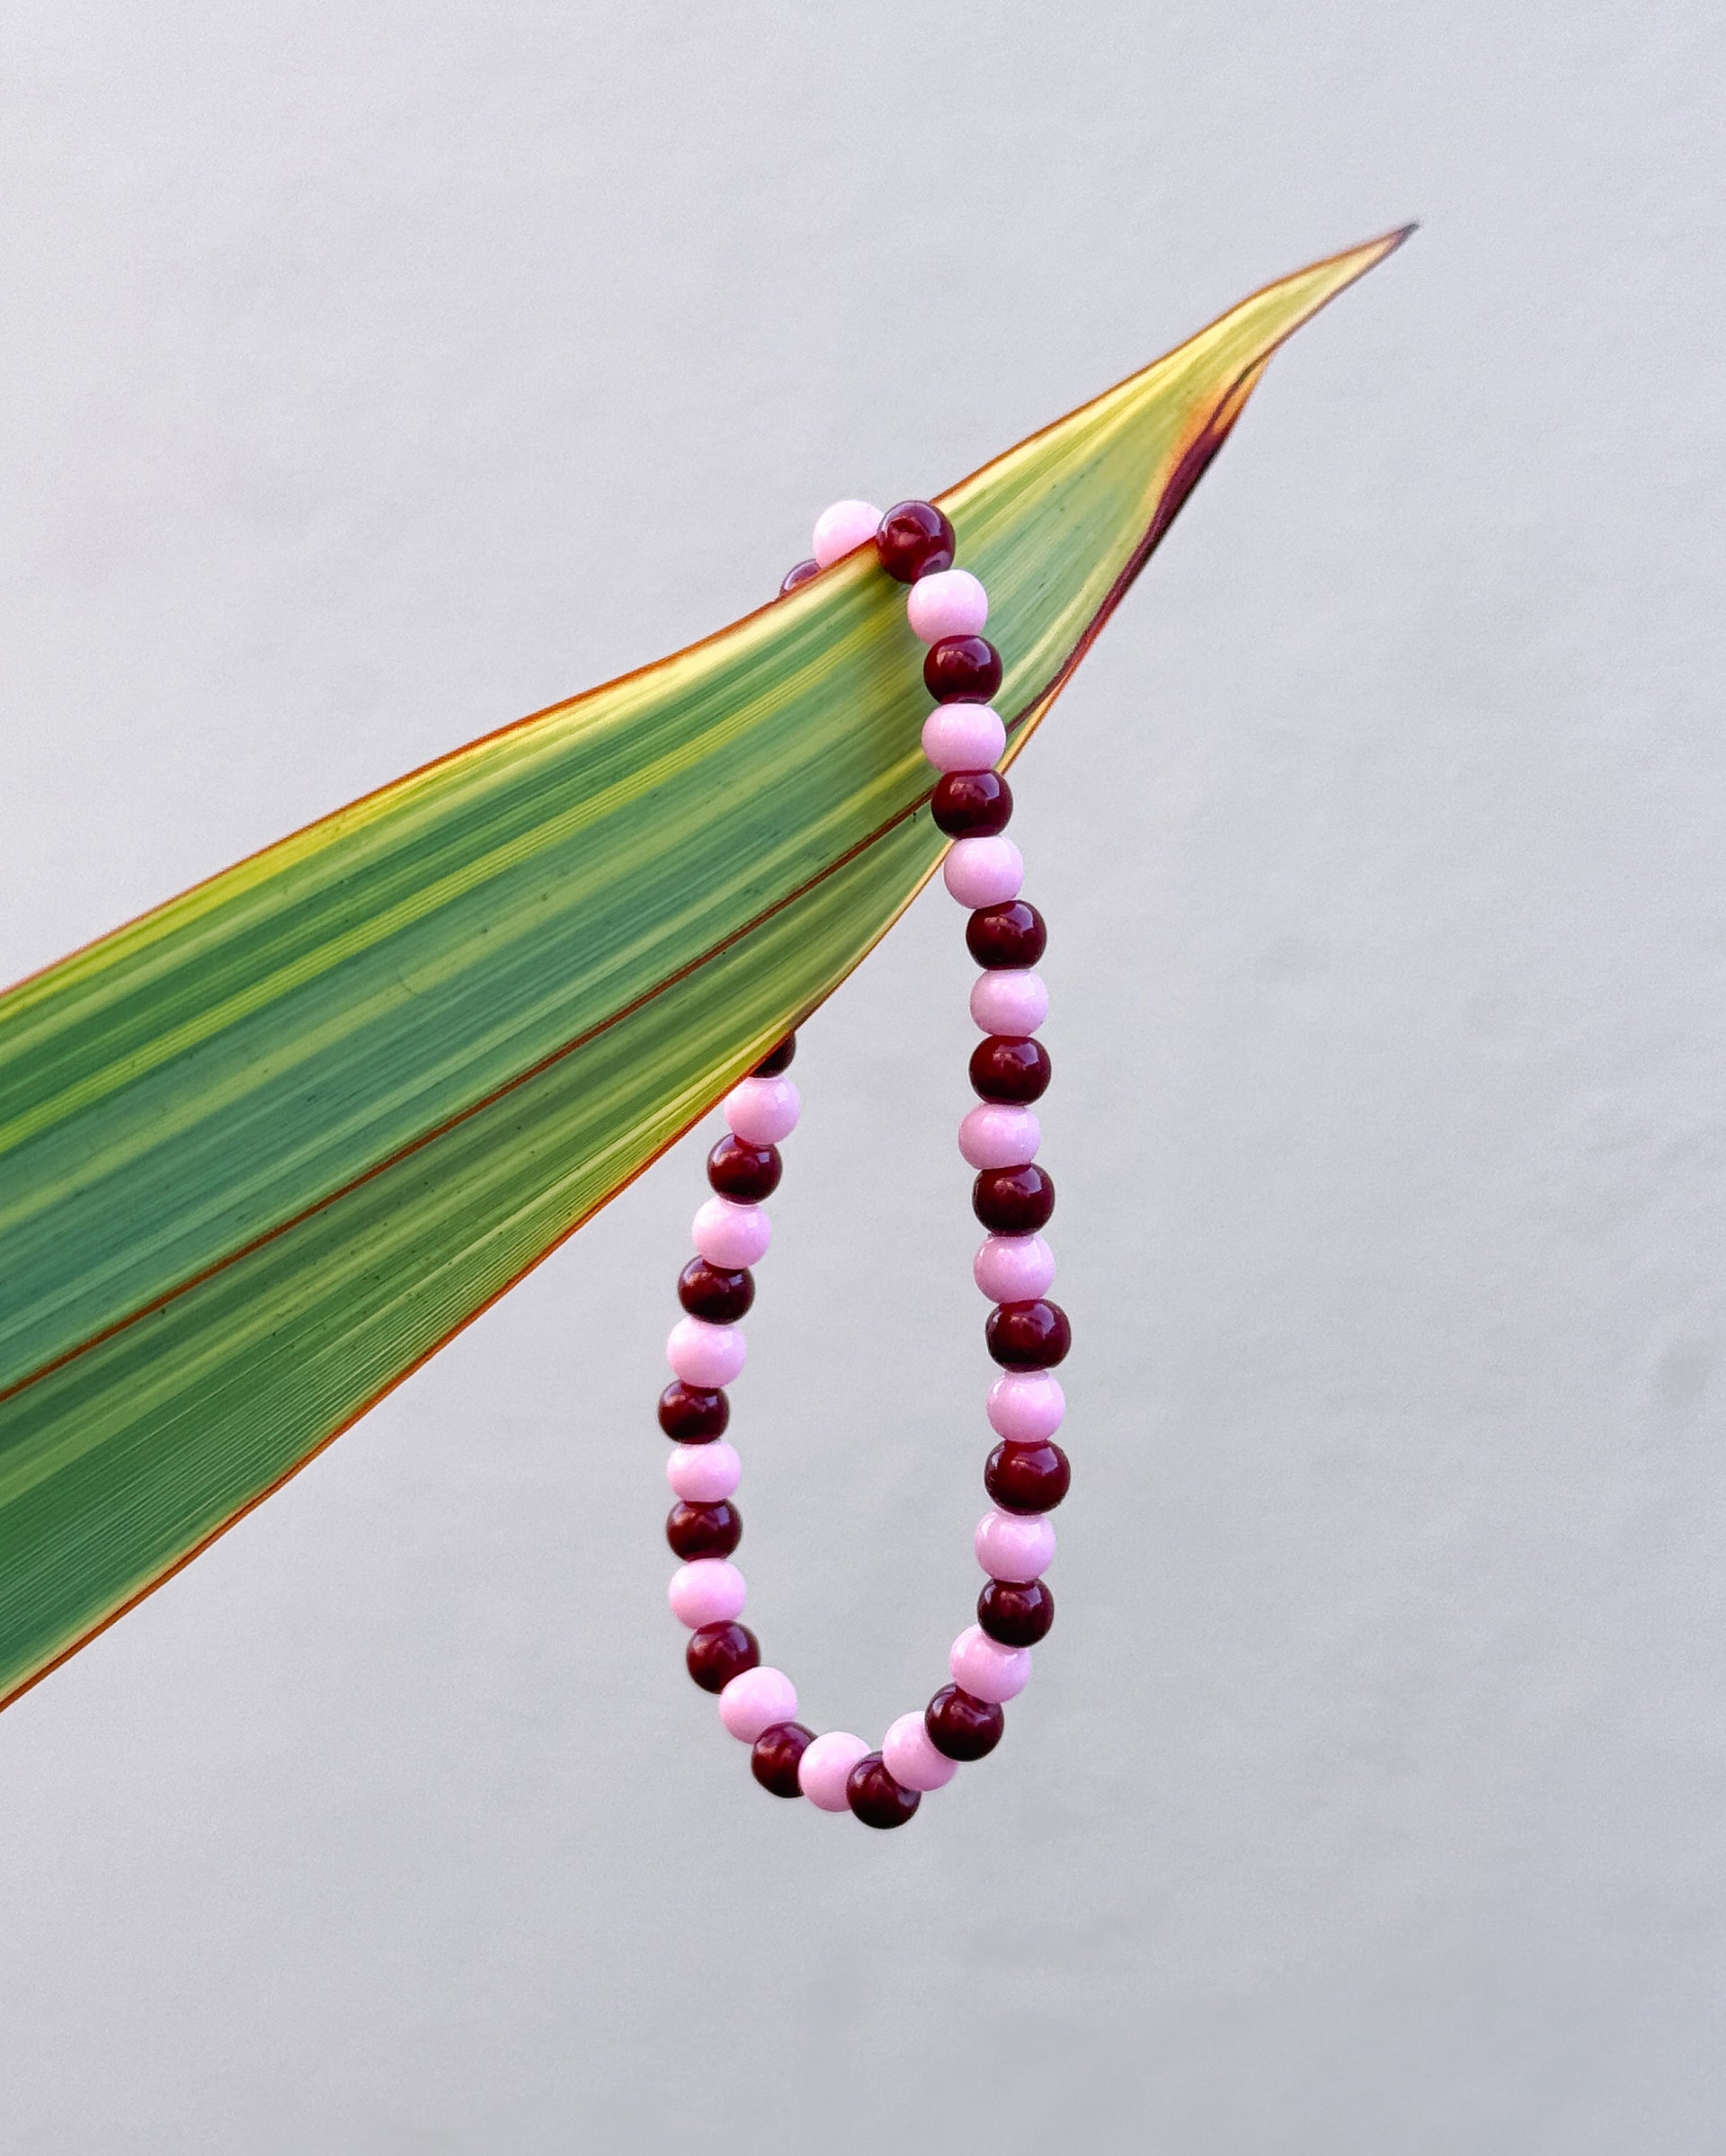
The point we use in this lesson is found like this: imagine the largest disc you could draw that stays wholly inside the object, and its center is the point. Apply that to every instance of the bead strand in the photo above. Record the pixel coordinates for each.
(1027, 1473)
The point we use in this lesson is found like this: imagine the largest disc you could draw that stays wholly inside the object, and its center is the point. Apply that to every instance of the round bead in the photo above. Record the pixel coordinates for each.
(691, 1414)
(1026, 1406)
(1013, 934)
(1017, 1613)
(914, 540)
(950, 603)
(749, 1173)
(1013, 1201)
(1028, 1336)
(800, 573)
(1012, 1269)
(762, 1110)
(731, 1235)
(986, 1669)
(1014, 1001)
(962, 670)
(1026, 1478)
(875, 1797)
(707, 1592)
(703, 1354)
(997, 1136)
(961, 1726)
(754, 1700)
(776, 1755)
(826, 1766)
(846, 525)
(1014, 1547)
(703, 1474)
(963, 737)
(713, 1292)
(703, 1530)
(1005, 1069)
(983, 872)
(777, 1060)
(718, 1652)
(912, 1759)
(972, 804)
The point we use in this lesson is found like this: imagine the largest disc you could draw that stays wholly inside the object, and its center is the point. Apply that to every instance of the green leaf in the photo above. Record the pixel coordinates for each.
(265, 1150)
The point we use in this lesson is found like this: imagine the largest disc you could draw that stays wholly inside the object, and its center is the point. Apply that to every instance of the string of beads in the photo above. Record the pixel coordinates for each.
(1027, 1473)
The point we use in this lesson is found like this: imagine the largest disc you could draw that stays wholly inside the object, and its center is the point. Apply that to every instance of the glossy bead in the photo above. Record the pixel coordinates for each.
(777, 1060)
(986, 1669)
(962, 670)
(1026, 1478)
(1013, 1201)
(762, 1110)
(1028, 1336)
(912, 1759)
(731, 1235)
(999, 1136)
(914, 540)
(1005, 1069)
(692, 1414)
(746, 1173)
(710, 1591)
(826, 1766)
(704, 1474)
(800, 573)
(961, 1727)
(950, 603)
(1026, 1406)
(703, 1354)
(1013, 934)
(1014, 1001)
(1013, 1269)
(703, 1530)
(846, 525)
(972, 804)
(1017, 1613)
(875, 1796)
(713, 1293)
(963, 737)
(776, 1755)
(718, 1652)
(983, 871)
(755, 1700)
(1014, 1547)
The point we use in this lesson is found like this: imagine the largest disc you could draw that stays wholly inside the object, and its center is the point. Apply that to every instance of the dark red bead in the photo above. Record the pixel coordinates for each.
(1013, 934)
(801, 574)
(972, 804)
(1003, 1068)
(1016, 1615)
(961, 1727)
(703, 1530)
(778, 1059)
(744, 1171)
(1013, 1201)
(709, 1291)
(878, 1800)
(914, 540)
(1028, 1478)
(691, 1416)
(776, 1755)
(962, 670)
(718, 1652)
(1028, 1336)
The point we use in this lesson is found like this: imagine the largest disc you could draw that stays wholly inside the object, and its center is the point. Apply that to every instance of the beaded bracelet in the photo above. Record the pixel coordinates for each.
(1026, 1473)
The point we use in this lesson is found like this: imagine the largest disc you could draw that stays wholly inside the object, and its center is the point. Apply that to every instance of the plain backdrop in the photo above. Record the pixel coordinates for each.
(375, 373)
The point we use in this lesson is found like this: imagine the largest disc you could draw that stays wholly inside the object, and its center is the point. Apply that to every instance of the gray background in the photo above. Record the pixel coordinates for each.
(373, 374)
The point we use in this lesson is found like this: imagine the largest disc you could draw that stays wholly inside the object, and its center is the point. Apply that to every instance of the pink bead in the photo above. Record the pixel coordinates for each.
(1011, 1000)
(950, 603)
(996, 1136)
(982, 1667)
(705, 1355)
(1026, 1406)
(910, 1757)
(825, 1766)
(980, 872)
(701, 1475)
(730, 1235)
(762, 1110)
(1007, 1269)
(755, 1699)
(962, 737)
(1015, 1546)
(710, 1591)
(846, 525)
